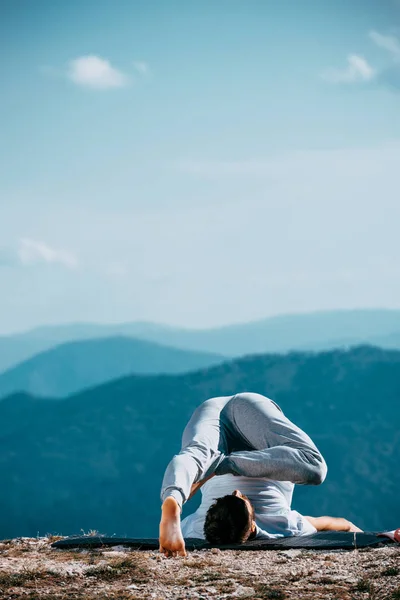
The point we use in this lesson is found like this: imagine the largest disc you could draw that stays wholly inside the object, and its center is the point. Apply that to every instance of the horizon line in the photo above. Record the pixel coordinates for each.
(106, 324)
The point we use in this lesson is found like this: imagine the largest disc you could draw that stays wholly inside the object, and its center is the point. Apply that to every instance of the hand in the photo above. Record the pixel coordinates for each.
(171, 539)
(333, 524)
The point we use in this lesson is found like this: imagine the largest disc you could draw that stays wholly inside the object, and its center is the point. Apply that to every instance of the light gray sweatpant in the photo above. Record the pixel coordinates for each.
(246, 434)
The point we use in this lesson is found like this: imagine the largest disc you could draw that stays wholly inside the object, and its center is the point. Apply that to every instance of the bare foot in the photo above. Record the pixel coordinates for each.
(171, 539)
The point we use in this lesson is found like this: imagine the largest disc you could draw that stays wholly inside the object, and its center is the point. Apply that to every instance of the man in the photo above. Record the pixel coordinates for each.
(244, 435)
(260, 509)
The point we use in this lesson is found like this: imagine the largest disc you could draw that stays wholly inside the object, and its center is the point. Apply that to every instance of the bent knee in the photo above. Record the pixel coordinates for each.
(318, 473)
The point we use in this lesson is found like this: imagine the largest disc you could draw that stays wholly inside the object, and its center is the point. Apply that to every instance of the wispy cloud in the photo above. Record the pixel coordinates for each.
(95, 72)
(386, 42)
(358, 70)
(390, 76)
(33, 252)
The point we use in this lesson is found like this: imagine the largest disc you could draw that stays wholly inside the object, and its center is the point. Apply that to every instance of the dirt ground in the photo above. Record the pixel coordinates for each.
(30, 569)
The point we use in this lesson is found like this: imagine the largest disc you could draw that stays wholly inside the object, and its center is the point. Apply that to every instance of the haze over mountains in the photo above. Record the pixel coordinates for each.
(96, 459)
(75, 366)
(314, 331)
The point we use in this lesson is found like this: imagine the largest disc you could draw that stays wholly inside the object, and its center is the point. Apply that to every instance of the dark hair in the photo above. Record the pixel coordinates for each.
(228, 521)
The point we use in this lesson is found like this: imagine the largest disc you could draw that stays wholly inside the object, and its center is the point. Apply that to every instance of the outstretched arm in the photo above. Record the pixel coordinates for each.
(332, 524)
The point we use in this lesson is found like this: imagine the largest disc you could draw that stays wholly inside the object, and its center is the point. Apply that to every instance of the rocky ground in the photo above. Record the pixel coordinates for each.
(30, 569)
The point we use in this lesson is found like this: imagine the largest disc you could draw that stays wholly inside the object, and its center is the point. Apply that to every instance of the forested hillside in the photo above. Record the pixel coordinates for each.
(72, 367)
(96, 460)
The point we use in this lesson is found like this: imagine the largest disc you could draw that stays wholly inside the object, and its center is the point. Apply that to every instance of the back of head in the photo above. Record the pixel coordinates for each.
(228, 521)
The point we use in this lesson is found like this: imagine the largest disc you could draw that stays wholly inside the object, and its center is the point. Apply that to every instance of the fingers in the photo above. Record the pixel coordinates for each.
(354, 528)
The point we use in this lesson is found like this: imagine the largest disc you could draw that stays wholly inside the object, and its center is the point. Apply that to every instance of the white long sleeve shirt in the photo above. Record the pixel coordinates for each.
(271, 501)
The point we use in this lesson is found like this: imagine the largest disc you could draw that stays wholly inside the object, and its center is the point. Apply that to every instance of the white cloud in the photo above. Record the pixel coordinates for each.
(358, 70)
(141, 67)
(388, 77)
(387, 42)
(32, 252)
(95, 72)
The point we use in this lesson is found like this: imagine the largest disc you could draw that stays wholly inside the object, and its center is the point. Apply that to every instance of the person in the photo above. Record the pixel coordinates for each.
(260, 509)
(245, 435)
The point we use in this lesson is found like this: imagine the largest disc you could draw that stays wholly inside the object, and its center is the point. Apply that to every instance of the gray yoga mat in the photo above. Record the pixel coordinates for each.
(323, 540)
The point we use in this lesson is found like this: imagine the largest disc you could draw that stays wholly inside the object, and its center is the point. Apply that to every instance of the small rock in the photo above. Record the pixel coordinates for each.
(243, 592)
(291, 553)
(132, 587)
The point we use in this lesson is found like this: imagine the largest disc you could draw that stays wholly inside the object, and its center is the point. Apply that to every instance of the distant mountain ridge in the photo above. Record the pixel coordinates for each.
(75, 366)
(96, 459)
(317, 331)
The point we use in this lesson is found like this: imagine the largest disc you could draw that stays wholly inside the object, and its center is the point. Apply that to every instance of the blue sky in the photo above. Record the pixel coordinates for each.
(197, 163)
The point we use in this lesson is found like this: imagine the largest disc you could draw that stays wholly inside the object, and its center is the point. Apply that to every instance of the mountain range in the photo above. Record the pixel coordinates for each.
(75, 366)
(311, 331)
(96, 459)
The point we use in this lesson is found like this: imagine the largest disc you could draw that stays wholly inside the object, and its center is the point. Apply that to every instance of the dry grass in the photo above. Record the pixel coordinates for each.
(270, 593)
(120, 568)
(363, 585)
(390, 572)
(31, 569)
